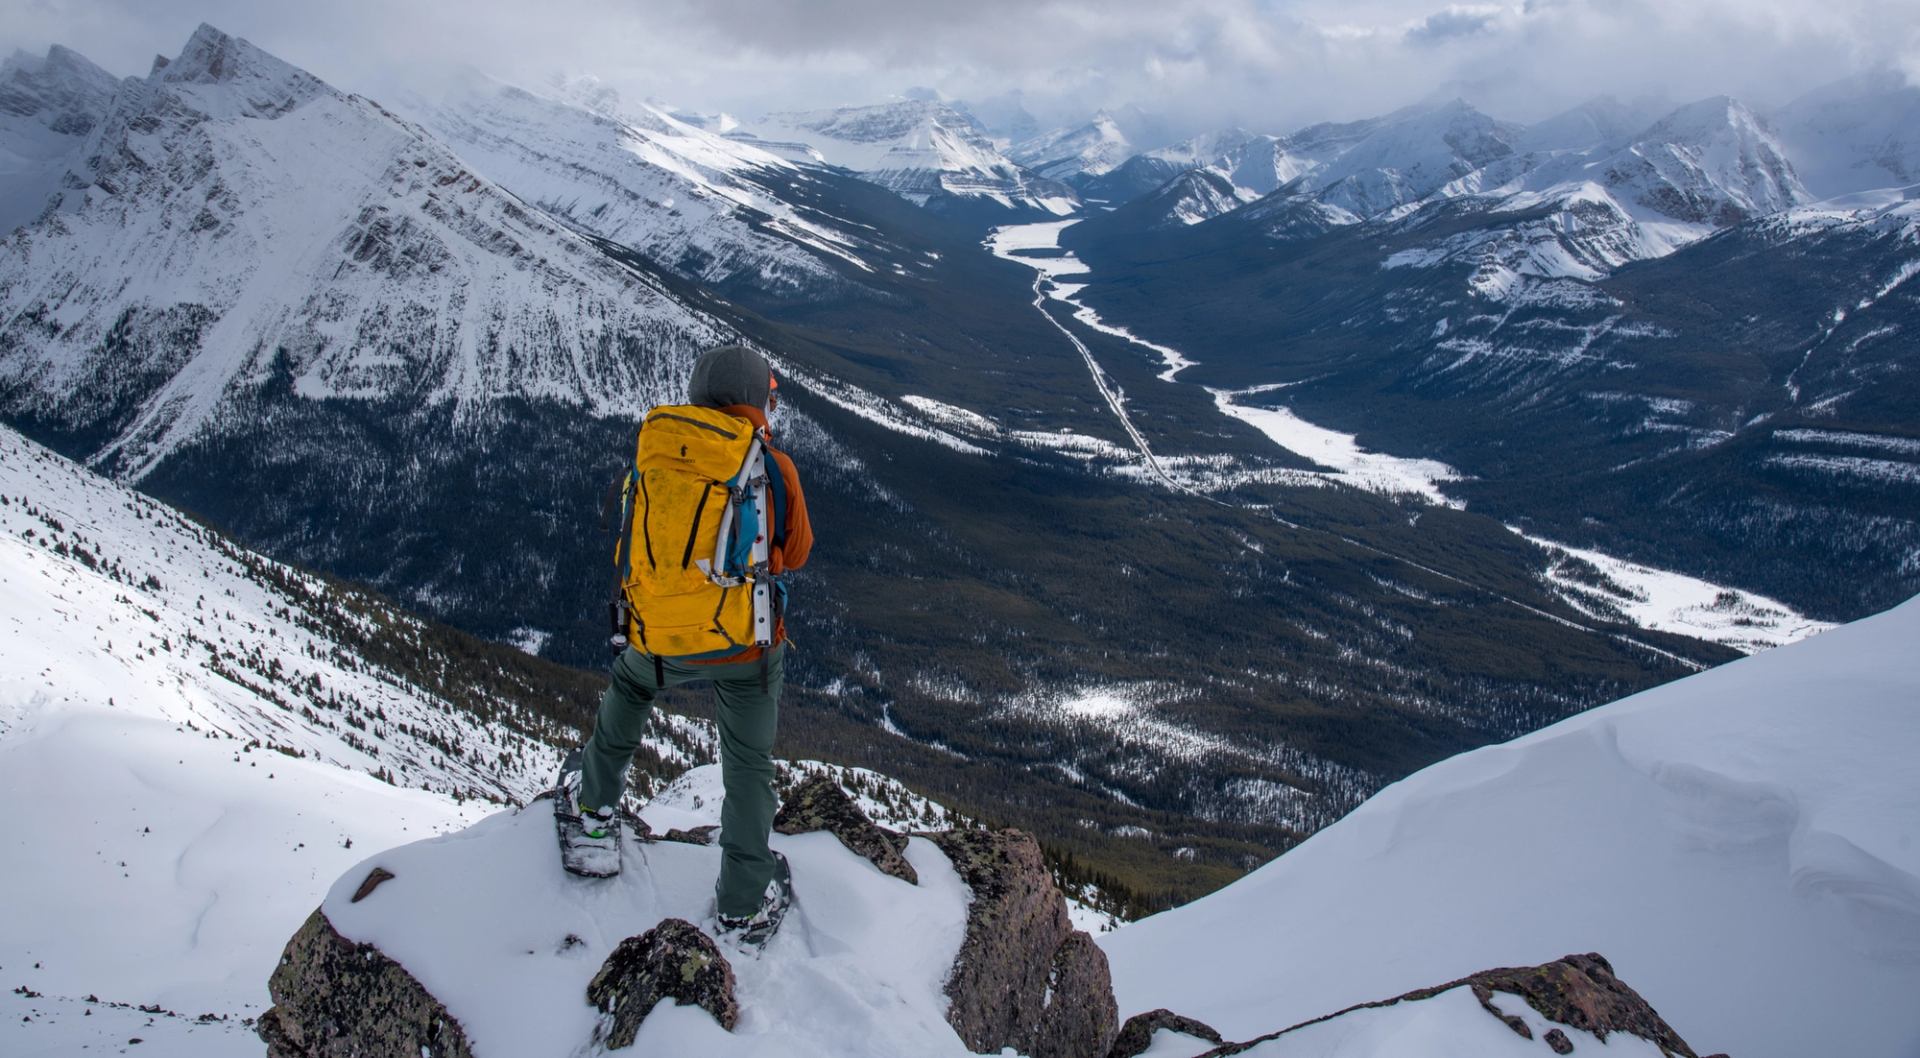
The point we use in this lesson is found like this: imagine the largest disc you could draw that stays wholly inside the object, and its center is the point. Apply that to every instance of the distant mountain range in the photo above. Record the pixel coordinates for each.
(406, 342)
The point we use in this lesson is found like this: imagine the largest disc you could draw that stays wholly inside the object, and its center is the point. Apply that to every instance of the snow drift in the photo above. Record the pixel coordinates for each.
(1742, 844)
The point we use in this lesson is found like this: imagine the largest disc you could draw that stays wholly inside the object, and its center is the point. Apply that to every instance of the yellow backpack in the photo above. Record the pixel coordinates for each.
(691, 558)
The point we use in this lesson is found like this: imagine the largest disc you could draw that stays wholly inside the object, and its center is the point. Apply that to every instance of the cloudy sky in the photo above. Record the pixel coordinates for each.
(1271, 65)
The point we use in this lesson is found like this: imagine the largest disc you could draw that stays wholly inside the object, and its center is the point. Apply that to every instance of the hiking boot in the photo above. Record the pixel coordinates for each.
(589, 837)
(754, 931)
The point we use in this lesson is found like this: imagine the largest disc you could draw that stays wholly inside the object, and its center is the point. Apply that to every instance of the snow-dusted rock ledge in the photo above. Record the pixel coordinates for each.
(1572, 1005)
(478, 943)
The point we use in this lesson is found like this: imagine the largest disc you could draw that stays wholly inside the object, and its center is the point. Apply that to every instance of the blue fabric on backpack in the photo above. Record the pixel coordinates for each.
(777, 492)
(746, 526)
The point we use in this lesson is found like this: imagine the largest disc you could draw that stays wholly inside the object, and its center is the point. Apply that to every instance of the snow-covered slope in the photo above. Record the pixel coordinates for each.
(194, 739)
(240, 221)
(1255, 163)
(1189, 198)
(1744, 845)
(197, 740)
(1713, 161)
(857, 970)
(691, 200)
(1076, 153)
(1854, 135)
(1406, 156)
(923, 150)
(47, 107)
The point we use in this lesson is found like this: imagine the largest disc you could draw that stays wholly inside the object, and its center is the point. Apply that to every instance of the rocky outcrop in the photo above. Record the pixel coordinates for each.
(696, 836)
(1137, 1034)
(1024, 978)
(1581, 992)
(333, 998)
(673, 960)
(820, 804)
(1577, 991)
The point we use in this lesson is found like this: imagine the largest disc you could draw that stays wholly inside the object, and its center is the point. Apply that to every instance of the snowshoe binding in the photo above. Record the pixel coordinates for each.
(751, 934)
(589, 839)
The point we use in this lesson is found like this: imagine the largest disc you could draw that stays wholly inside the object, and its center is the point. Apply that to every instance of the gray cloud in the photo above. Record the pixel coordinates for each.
(1454, 22)
(1267, 64)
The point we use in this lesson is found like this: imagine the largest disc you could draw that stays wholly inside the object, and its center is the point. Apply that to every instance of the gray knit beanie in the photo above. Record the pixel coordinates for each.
(729, 374)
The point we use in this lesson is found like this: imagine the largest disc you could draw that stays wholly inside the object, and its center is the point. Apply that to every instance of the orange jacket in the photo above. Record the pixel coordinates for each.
(791, 543)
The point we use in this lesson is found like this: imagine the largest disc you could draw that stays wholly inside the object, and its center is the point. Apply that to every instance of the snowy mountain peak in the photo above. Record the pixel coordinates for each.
(1711, 161)
(301, 227)
(1403, 157)
(883, 122)
(48, 106)
(270, 85)
(1189, 198)
(925, 151)
(1086, 150)
(63, 91)
(1704, 119)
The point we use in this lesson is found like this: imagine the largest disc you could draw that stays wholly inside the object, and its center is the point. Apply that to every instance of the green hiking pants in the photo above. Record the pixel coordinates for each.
(748, 712)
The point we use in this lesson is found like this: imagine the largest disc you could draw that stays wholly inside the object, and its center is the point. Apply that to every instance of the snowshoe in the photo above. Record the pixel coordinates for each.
(589, 840)
(753, 933)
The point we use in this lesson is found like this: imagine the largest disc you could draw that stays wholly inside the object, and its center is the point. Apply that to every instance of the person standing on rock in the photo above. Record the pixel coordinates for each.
(713, 517)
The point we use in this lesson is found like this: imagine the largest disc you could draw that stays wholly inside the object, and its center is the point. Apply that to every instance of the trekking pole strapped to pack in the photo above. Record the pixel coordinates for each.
(619, 610)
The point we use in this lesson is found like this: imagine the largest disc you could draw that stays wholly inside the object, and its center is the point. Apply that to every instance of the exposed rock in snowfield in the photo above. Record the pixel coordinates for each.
(1024, 978)
(336, 996)
(1530, 1011)
(1138, 1034)
(820, 804)
(673, 960)
(513, 956)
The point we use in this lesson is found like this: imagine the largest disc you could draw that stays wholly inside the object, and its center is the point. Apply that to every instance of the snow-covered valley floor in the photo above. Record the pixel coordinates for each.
(1660, 600)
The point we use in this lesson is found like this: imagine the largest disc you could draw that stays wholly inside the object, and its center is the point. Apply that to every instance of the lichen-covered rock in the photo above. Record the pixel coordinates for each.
(1024, 978)
(1581, 992)
(696, 836)
(673, 960)
(334, 998)
(820, 804)
(1081, 1016)
(1137, 1034)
